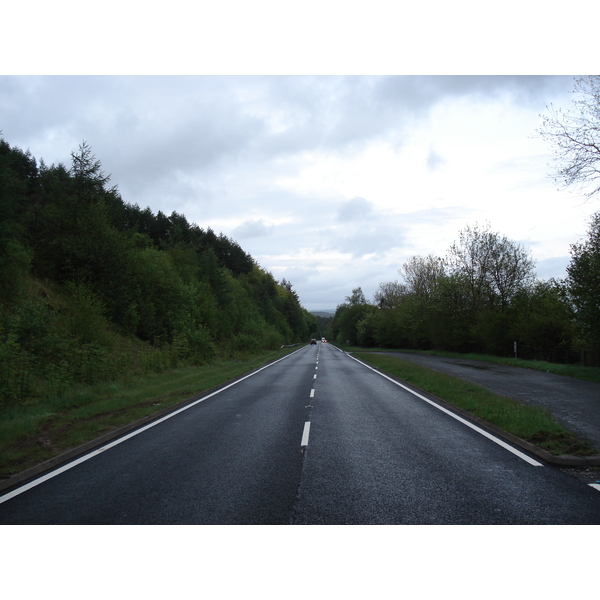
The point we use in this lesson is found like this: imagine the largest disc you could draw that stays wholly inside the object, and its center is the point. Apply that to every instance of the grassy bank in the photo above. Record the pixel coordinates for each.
(526, 422)
(34, 432)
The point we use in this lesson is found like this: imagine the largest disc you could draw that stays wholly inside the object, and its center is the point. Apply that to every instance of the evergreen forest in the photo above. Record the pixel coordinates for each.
(92, 287)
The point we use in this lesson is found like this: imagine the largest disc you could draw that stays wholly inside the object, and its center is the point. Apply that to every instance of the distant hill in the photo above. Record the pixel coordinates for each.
(323, 313)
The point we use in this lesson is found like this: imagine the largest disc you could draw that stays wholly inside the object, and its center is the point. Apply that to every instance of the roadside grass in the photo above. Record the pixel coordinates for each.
(31, 433)
(529, 423)
(577, 371)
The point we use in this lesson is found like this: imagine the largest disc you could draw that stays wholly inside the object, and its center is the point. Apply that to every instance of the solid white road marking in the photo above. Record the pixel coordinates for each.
(305, 433)
(596, 486)
(86, 457)
(498, 441)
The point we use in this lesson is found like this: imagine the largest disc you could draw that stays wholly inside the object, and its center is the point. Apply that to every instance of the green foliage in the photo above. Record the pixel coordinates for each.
(15, 264)
(15, 368)
(542, 320)
(482, 297)
(356, 297)
(92, 287)
(344, 328)
(584, 285)
(365, 331)
(84, 315)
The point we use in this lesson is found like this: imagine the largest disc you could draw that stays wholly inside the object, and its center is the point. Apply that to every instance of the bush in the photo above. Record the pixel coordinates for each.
(195, 346)
(15, 370)
(84, 315)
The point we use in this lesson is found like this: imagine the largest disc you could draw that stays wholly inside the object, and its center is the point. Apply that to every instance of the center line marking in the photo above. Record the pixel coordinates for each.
(312, 393)
(304, 441)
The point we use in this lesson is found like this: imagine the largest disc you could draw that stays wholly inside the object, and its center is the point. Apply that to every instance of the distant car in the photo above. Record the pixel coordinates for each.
(313, 341)
(324, 340)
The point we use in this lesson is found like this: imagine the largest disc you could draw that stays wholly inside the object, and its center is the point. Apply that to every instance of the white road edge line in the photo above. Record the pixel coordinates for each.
(498, 441)
(81, 459)
(596, 486)
(305, 433)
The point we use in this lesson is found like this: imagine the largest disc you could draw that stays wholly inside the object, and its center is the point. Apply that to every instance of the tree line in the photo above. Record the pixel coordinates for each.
(91, 285)
(483, 296)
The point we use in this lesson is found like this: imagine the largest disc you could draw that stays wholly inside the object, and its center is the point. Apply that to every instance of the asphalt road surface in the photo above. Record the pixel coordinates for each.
(315, 438)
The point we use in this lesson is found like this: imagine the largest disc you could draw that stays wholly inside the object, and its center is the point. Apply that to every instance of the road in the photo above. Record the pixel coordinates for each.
(315, 438)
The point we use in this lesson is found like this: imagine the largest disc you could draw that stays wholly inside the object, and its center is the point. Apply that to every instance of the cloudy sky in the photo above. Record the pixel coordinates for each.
(331, 182)
(229, 114)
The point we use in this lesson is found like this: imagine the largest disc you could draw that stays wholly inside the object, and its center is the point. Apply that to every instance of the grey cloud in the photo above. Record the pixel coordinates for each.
(420, 93)
(435, 215)
(148, 127)
(364, 231)
(434, 160)
(325, 289)
(367, 233)
(367, 240)
(354, 209)
(548, 267)
(338, 113)
(252, 229)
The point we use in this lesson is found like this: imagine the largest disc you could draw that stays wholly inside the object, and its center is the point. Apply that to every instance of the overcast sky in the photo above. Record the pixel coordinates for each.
(331, 182)
(328, 182)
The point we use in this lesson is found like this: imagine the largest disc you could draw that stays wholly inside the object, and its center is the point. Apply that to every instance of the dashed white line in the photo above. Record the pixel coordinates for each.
(305, 433)
(312, 393)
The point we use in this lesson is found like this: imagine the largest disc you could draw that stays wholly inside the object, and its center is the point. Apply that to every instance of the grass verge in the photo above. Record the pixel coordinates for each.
(35, 432)
(529, 423)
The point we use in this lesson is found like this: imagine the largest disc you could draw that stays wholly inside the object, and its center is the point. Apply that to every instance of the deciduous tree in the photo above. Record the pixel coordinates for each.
(574, 137)
(357, 297)
(493, 267)
(584, 282)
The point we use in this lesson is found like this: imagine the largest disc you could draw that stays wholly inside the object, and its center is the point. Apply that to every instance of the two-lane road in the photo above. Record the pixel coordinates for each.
(315, 438)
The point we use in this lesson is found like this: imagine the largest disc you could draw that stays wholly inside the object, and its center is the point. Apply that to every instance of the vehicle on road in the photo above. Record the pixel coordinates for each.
(313, 341)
